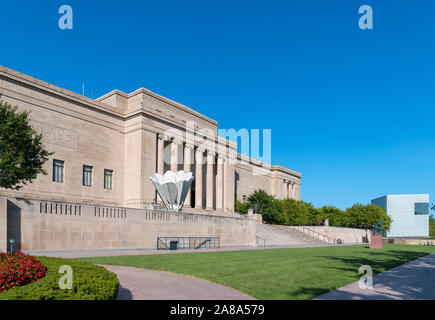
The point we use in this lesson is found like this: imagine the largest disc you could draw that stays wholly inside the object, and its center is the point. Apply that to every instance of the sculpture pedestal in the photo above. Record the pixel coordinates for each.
(376, 242)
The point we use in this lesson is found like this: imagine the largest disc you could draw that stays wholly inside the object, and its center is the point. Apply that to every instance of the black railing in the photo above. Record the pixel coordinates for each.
(179, 243)
(262, 240)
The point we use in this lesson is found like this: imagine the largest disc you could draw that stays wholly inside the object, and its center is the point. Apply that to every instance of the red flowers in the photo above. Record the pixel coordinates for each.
(18, 269)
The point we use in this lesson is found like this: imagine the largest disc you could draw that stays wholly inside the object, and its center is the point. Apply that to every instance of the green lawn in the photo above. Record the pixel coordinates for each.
(301, 273)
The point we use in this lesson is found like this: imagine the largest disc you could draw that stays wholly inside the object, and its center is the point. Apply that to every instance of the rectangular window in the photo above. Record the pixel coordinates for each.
(108, 179)
(421, 208)
(87, 176)
(244, 199)
(58, 170)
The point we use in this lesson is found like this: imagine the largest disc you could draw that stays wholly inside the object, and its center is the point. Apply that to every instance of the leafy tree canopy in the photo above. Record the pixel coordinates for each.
(21, 151)
(295, 212)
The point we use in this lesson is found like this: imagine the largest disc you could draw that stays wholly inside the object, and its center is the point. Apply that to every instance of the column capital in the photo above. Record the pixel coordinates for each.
(163, 137)
(199, 150)
(176, 140)
(188, 146)
(221, 159)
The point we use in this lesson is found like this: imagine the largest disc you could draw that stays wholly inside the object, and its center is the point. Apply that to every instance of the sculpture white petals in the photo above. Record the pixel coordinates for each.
(173, 188)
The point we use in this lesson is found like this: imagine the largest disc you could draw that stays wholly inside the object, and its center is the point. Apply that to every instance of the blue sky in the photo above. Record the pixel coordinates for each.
(351, 109)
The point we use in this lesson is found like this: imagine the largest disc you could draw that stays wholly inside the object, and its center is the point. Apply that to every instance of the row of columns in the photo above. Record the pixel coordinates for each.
(289, 189)
(198, 158)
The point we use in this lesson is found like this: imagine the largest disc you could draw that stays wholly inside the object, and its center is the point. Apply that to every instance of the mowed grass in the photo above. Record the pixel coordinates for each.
(301, 273)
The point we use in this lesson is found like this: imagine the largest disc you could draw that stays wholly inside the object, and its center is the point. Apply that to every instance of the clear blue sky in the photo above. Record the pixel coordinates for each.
(351, 109)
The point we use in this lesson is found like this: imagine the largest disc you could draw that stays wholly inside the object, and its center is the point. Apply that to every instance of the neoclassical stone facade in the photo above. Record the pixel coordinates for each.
(106, 149)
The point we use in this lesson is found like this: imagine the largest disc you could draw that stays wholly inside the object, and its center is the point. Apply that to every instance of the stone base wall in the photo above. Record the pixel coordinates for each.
(423, 242)
(346, 235)
(55, 226)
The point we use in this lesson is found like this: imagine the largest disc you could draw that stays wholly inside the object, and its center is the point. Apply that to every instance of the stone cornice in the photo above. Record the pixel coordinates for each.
(156, 96)
(246, 159)
(62, 93)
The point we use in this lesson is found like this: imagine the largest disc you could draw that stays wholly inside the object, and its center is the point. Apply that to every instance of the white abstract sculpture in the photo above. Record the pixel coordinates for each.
(173, 188)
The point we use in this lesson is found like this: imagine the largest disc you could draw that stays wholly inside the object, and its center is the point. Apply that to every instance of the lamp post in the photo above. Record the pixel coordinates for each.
(11, 241)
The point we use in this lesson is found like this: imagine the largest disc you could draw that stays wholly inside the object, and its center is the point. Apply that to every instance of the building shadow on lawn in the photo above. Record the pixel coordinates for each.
(411, 281)
(375, 260)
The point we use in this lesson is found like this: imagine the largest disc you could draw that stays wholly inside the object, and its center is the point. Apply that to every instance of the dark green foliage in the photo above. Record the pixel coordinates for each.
(240, 207)
(268, 207)
(90, 282)
(295, 212)
(21, 152)
(366, 216)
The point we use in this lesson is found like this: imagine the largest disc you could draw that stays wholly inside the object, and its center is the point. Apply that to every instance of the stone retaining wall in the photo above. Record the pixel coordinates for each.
(425, 242)
(346, 235)
(52, 226)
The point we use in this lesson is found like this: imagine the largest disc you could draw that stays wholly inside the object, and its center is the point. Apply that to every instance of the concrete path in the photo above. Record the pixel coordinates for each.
(143, 284)
(414, 280)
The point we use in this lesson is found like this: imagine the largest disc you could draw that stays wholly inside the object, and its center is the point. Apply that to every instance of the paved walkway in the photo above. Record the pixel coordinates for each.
(414, 280)
(143, 284)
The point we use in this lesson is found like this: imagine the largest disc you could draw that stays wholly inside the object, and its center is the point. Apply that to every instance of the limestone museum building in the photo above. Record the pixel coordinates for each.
(105, 150)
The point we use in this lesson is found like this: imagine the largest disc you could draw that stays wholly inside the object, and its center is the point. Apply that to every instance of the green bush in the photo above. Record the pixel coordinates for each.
(336, 216)
(295, 212)
(240, 207)
(366, 216)
(90, 282)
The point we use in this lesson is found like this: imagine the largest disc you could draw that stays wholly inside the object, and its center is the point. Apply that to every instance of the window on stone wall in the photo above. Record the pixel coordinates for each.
(108, 179)
(244, 199)
(58, 170)
(421, 208)
(87, 176)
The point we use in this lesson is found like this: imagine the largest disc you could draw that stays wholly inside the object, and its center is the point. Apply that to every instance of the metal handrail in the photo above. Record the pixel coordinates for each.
(328, 239)
(203, 243)
(188, 242)
(264, 240)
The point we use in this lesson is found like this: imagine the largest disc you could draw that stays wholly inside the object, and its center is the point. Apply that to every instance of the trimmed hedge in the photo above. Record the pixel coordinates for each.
(90, 282)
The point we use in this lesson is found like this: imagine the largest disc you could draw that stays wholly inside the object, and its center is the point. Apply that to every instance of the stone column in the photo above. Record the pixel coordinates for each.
(289, 189)
(160, 153)
(292, 192)
(198, 178)
(174, 155)
(3, 224)
(209, 186)
(283, 188)
(220, 183)
(229, 181)
(187, 168)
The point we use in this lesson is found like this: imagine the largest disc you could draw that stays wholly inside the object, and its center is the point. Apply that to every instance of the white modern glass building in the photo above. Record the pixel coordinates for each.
(409, 212)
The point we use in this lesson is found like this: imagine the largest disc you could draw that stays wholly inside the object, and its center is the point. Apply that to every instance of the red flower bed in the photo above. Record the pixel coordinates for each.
(18, 269)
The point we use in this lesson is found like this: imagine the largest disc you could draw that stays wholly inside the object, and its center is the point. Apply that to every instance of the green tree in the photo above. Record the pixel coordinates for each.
(336, 216)
(21, 152)
(366, 216)
(297, 212)
(269, 207)
(240, 207)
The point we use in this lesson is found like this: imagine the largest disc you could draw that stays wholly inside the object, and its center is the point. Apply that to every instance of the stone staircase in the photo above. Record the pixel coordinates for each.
(275, 235)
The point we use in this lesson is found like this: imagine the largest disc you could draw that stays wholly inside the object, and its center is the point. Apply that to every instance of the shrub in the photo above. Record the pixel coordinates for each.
(296, 212)
(90, 282)
(336, 216)
(240, 207)
(19, 269)
(366, 216)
